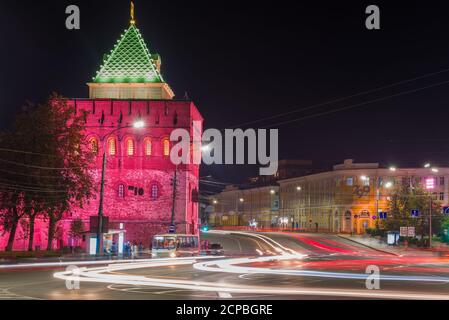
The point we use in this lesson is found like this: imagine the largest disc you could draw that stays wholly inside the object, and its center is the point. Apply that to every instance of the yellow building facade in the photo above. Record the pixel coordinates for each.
(347, 199)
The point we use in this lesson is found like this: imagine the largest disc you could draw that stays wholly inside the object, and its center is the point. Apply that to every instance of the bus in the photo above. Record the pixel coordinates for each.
(175, 245)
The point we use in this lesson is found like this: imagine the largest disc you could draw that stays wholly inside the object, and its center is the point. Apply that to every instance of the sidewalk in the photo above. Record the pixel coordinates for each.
(382, 246)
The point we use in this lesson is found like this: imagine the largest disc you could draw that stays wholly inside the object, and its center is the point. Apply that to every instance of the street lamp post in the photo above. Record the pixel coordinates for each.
(430, 222)
(100, 207)
(429, 187)
(137, 125)
(172, 223)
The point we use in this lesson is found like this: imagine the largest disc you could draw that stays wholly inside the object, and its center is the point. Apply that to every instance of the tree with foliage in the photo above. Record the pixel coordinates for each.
(77, 229)
(52, 171)
(405, 198)
(11, 196)
(445, 229)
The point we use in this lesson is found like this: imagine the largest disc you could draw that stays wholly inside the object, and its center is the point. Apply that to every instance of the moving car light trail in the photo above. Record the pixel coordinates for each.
(246, 265)
(103, 275)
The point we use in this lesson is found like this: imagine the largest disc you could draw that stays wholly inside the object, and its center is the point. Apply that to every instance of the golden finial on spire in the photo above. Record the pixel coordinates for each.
(133, 20)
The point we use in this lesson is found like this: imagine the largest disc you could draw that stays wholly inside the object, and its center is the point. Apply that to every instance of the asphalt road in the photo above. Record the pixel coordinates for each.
(255, 266)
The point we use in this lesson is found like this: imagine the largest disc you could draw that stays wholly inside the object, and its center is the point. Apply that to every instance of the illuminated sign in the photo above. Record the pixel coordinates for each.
(430, 183)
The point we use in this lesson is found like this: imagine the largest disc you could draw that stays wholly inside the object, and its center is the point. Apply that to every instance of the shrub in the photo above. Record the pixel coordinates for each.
(28, 254)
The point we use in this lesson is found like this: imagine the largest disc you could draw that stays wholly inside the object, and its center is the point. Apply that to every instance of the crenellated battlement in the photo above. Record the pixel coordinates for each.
(168, 114)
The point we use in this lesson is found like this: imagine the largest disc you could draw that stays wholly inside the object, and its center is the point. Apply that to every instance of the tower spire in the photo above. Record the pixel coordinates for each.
(133, 20)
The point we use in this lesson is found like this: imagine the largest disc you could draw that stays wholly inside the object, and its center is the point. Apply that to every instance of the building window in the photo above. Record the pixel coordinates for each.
(366, 181)
(94, 145)
(349, 181)
(441, 181)
(147, 146)
(130, 147)
(154, 192)
(441, 196)
(166, 146)
(121, 191)
(112, 147)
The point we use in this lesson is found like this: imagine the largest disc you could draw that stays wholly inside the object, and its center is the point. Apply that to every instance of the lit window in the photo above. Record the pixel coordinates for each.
(154, 191)
(166, 144)
(94, 146)
(112, 147)
(129, 147)
(147, 146)
(349, 181)
(366, 181)
(121, 191)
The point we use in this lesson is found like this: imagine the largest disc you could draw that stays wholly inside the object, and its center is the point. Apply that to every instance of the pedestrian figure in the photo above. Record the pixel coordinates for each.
(127, 249)
(134, 250)
(140, 248)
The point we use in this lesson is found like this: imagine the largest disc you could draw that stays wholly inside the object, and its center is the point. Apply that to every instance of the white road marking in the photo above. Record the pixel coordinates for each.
(224, 295)
(92, 262)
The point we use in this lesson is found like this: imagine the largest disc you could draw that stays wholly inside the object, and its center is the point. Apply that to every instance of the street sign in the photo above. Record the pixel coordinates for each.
(407, 231)
(383, 215)
(403, 232)
(446, 210)
(415, 213)
(374, 217)
(172, 229)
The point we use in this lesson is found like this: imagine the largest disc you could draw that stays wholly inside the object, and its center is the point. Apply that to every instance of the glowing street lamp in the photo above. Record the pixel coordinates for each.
(363, 178)
(388, 185)
(241, 200)
(427, 165)
(139, 124)
(434, 170)
(298, 188)
(272, 191)
(393, 169)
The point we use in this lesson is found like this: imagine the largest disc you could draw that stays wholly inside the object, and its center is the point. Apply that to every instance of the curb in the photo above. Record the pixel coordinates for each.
(373, 248)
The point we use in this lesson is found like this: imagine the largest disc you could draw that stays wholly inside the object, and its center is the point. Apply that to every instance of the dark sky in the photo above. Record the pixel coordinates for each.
(246, 60)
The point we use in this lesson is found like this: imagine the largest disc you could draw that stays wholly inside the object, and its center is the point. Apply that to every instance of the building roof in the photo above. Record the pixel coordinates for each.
(129, 62)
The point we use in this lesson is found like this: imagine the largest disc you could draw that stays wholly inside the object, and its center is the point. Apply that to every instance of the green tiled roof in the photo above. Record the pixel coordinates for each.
(129, 62)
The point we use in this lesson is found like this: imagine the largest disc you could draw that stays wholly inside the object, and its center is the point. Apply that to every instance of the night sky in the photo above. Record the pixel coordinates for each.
(243, 62)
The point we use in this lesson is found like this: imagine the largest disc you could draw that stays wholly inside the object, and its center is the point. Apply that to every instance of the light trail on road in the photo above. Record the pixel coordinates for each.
(247, 266)
(103, 275)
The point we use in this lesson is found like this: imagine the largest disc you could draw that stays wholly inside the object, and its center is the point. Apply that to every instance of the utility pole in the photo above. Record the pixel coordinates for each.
(172, 224)
(100, 208)
(430, 223)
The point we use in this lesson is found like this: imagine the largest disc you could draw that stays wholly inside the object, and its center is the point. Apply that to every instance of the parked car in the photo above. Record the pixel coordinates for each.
(214, 249)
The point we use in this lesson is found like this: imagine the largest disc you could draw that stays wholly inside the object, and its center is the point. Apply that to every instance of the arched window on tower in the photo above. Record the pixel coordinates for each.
(154, 192)
(166, 146)
(112, 147)
(93, 145)
(121, 191)
(147, 146)
(130, 147)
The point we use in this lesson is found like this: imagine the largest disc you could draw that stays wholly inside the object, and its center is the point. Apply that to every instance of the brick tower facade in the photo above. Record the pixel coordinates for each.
(131, 114)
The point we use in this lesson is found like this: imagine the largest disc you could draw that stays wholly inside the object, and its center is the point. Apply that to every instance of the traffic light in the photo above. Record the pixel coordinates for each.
(205, 228)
